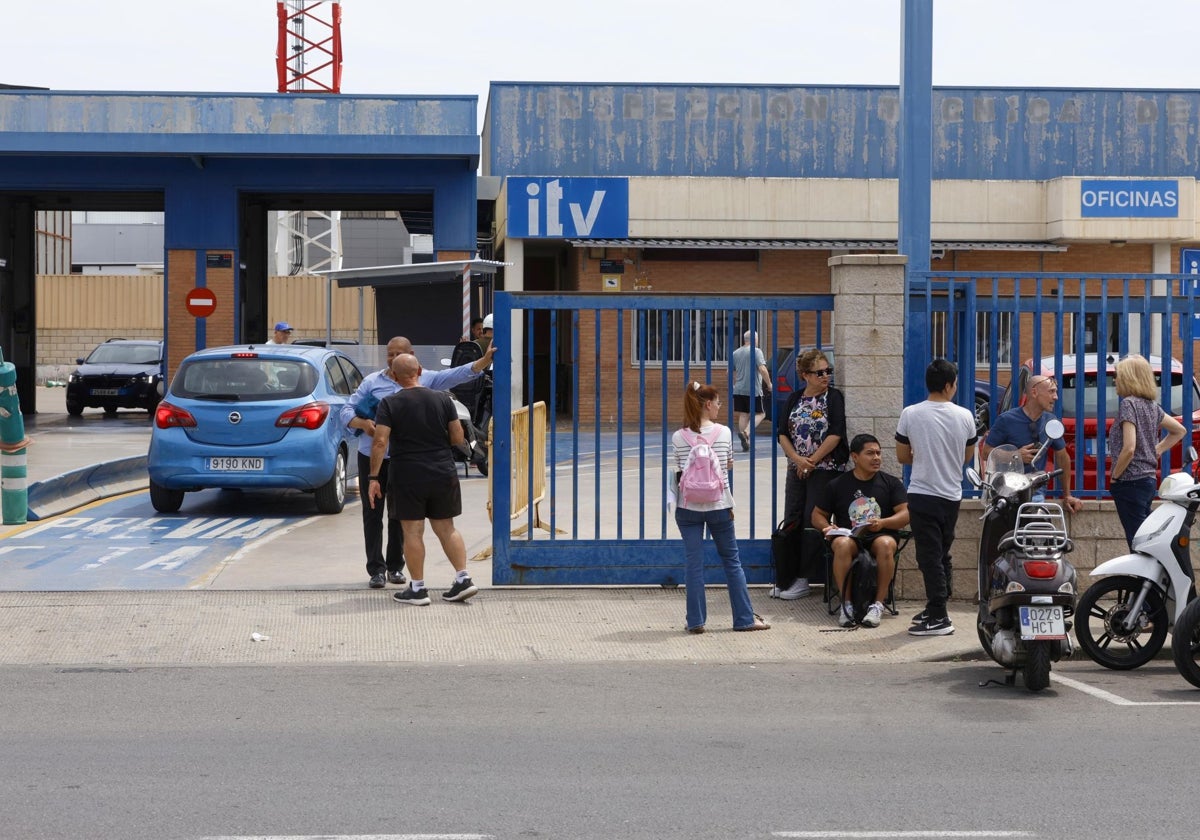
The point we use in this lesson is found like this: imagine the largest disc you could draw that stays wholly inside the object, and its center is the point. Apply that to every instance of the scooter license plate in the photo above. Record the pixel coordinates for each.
(1042, 623)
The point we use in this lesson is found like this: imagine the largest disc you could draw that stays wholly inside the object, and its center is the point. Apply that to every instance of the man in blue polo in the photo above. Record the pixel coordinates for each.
(1025, 428)
(359, 413)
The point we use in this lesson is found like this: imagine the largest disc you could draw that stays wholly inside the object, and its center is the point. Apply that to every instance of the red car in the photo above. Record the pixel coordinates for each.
(1068, 396)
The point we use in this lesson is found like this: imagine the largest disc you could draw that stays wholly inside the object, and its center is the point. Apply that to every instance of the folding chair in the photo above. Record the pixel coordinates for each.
(833, 598)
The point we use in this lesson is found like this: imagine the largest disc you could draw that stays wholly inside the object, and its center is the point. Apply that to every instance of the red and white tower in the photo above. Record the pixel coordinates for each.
(308, 56)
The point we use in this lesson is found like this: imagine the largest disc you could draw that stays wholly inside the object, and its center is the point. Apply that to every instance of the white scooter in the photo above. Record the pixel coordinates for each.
(1122, 620)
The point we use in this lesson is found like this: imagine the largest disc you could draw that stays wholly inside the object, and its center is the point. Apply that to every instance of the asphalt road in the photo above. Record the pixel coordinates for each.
(668, 750)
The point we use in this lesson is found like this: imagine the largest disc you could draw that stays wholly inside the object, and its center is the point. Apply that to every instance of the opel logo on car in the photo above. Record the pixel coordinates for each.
(235, 417)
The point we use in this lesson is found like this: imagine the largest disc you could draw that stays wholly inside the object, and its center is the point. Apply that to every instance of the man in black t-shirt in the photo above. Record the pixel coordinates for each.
(416, 428)
(875, 505)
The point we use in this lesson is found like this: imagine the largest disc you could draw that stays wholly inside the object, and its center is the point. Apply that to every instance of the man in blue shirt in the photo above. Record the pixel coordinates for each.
(1025, 428)
(359, 413)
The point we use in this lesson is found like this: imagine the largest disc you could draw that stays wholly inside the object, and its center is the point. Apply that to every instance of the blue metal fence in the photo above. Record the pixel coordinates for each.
(624, 361)
(997, 324)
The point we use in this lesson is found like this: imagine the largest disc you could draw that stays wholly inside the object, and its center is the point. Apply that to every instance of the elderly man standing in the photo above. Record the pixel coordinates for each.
(751, 381)
(419, 426)
(359, 413)
(282, 334)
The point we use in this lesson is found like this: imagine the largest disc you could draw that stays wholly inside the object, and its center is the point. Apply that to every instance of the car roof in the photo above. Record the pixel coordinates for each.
(1091, 363)
(304, 351)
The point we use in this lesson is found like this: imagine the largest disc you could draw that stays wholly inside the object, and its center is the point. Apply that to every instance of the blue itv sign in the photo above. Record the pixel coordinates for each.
(568, 208)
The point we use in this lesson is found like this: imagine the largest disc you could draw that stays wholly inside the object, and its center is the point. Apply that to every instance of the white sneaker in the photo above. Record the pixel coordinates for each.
(799, 589)
(874, 615)
(773, 592)
(845, 615)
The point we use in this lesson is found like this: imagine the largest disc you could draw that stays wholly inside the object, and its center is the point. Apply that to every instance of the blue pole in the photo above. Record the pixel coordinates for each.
(916, 178)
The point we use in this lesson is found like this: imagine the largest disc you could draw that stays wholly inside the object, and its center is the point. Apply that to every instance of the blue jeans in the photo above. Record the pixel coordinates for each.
(720, 524)
(1132, 499)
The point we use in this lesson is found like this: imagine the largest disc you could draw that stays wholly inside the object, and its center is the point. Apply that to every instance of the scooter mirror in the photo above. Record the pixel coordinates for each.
(1055, 429)
(974, 477)
(445, 363)
(1192, 455)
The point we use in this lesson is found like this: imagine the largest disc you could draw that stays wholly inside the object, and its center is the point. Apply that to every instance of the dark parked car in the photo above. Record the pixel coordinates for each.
(120, 373)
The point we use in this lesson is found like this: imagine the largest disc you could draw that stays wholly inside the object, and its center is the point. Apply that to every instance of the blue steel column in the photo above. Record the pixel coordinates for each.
(916, 177)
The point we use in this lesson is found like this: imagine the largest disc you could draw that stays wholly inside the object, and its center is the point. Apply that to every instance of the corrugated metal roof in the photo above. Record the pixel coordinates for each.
(410, 274)
(810, 244)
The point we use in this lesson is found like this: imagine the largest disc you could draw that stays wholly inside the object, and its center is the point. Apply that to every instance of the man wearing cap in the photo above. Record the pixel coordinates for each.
(386, 566)
(283, 333)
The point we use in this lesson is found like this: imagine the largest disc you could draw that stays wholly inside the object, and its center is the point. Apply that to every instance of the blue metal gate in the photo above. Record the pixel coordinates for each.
(624, 361)
(1000, 326)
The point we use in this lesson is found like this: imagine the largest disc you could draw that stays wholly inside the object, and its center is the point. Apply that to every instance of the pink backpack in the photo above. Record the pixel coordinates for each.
(703, 479)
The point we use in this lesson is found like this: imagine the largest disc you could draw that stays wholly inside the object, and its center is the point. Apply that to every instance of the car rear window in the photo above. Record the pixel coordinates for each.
(244, 379)
(1067, 395)
(124, 354)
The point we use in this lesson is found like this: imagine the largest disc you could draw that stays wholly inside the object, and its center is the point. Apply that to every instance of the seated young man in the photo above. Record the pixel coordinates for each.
(868, 499)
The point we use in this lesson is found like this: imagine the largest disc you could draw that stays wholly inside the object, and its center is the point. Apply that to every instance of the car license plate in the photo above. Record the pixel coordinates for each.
(1042, 623)
(235, 464)
(105, 392)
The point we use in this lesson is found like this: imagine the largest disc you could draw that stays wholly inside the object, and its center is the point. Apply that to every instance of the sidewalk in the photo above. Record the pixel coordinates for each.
(306, 590)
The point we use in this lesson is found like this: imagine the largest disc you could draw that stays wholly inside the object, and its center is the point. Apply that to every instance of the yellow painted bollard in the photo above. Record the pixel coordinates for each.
(14, 485)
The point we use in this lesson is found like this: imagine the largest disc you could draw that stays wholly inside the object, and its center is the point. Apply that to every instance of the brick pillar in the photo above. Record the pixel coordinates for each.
(868, 344)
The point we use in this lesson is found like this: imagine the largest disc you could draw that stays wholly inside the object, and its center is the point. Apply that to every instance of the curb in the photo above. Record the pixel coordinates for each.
(89, 484)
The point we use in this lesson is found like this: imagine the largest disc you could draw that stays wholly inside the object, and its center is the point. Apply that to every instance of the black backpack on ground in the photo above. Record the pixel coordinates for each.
(858, 589)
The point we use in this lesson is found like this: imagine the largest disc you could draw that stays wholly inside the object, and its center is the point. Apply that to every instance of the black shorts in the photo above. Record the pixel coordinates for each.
(741, 403)
(426, 500)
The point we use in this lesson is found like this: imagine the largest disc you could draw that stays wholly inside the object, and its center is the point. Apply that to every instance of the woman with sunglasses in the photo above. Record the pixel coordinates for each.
(811, 430)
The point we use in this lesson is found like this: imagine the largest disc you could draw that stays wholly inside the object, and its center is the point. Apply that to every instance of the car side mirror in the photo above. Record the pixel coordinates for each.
(79, 361)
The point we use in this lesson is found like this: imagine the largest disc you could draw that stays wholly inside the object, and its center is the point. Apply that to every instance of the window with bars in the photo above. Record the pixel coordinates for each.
(697, 335)
(984, 340)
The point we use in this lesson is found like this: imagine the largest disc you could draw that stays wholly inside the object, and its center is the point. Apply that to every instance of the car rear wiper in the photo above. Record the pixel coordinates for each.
(217, 397)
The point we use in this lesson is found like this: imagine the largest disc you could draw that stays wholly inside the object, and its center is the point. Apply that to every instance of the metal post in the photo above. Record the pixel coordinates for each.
(916, 176)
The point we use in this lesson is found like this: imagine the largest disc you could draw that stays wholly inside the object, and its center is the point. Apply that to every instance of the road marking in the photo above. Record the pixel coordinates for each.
(1116, 699)
(352, 837)
(886, 834)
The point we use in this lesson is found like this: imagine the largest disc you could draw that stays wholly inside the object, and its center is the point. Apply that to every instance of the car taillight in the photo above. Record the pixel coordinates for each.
(782, 386)
(309, 416)
(168, 416)
(1041, 568)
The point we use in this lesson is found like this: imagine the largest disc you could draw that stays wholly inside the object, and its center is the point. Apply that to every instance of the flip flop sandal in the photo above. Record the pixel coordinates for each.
(758, 624)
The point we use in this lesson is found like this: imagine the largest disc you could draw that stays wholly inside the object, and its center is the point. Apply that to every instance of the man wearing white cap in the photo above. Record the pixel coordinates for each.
(283, 333)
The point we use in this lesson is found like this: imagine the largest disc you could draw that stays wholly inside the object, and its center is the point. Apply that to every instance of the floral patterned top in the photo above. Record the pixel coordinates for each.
(809, 420)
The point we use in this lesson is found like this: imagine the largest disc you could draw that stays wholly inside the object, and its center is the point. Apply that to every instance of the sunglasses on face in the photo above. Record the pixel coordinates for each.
(825, 372)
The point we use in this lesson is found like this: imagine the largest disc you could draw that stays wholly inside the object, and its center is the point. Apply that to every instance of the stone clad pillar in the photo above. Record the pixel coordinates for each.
(868, 344)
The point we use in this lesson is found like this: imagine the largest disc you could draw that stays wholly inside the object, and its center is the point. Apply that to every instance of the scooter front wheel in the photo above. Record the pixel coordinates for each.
(1185, 644)
(1100, 623)
(1037, 666)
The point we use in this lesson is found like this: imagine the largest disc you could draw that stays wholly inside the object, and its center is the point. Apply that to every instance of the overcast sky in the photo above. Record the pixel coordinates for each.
(454, 47)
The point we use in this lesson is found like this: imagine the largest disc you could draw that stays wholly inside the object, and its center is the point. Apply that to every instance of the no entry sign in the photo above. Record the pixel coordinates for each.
(201, 302)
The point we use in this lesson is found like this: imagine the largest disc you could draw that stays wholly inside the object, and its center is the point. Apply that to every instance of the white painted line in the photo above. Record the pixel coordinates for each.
(889, 834)
(1116, 699)
(352, 837)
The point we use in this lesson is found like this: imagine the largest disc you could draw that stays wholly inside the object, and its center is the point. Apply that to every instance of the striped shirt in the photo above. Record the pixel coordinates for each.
(722, 447)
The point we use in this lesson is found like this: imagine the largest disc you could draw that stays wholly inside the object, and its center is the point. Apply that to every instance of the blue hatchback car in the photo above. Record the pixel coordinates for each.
(255, 416)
